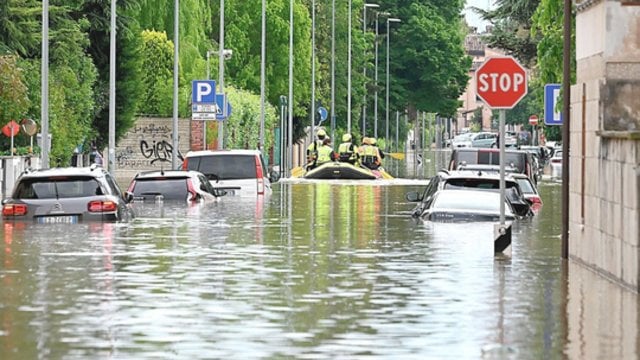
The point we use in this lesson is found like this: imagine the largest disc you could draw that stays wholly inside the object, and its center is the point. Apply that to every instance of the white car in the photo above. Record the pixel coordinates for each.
(237, 172)
(461, 140)
(556, 163)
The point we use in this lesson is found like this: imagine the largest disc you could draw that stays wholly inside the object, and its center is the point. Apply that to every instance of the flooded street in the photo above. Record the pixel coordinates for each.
(318, 270)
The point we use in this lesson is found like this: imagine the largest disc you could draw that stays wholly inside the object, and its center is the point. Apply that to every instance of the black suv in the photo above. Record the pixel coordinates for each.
(471, 180)
(68, 196)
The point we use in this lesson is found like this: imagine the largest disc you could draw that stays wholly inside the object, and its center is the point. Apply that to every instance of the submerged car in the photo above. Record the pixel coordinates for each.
(529, 190)
(67, 195)
(237, 172)
(466, 206)
(470, 180)
(172, 185)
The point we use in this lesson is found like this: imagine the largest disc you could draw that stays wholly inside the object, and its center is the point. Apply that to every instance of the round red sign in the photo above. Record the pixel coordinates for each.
(533, 120)
(501, 82)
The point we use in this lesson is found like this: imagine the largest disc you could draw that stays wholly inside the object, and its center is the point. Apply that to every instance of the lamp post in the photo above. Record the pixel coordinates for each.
(112, 91)
(364, 67)
(349, 75)
(221, 75)
(44, 91)
(313, 69)
(176, 27)
(263, 51)
(389, 20)
(333, 68)
(227, 55)
(290, 102)
(375, 99)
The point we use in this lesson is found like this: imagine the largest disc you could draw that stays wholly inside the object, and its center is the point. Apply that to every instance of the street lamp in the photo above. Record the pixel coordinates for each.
(349, 75)
(263, 56)
(290, 101)
(364, 67)
(389, 20)
(333, 68)
(375, 99)
(226, 53)
(221, 74)
(44, 90)
(313, 69)
(112, 91)
(176, 52)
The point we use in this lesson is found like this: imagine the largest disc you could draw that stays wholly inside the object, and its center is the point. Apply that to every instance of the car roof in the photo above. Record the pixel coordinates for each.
(223, 152)
(493, 150)
(94, 171)
(474, 174)
(167, 174)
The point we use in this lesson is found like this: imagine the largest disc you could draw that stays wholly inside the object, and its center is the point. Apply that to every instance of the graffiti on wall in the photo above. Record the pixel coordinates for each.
(146, 146)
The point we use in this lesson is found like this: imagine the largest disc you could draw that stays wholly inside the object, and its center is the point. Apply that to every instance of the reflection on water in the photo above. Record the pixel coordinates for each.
(317, 270)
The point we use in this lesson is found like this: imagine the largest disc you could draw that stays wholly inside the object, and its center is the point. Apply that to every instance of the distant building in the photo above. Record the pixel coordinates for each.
(479, 51)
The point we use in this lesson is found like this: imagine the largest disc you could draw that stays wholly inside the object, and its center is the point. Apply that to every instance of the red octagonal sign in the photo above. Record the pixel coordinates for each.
(501, 82)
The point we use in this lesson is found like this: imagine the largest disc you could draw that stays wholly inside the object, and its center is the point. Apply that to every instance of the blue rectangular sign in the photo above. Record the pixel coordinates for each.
(551, 96)
(224, 107)
(203, 92)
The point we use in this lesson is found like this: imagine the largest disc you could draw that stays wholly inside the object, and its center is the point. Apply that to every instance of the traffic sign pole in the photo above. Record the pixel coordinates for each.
(501, 82)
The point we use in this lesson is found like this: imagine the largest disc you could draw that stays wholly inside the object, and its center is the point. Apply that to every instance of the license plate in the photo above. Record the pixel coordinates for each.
(66, 219)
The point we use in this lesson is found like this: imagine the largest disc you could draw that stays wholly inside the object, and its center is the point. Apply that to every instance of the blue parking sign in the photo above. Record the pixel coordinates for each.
(203, 92)
(551, 95)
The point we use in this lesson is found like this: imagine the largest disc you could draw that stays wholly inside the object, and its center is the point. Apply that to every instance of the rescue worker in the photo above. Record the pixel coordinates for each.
(312, 149)
(325, 152)
(374, 143)
(348, 151)
(370, 154)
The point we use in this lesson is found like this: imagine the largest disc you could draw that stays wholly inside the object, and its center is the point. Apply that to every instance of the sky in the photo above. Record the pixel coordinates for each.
(472, 18)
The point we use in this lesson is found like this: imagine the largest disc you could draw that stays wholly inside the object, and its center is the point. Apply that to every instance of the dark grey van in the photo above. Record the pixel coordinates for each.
(522, 161)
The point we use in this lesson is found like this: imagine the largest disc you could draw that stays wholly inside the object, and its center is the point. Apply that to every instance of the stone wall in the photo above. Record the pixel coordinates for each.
(605, 141)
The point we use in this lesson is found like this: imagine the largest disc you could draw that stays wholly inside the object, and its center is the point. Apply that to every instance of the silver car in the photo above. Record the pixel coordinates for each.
(67, 195)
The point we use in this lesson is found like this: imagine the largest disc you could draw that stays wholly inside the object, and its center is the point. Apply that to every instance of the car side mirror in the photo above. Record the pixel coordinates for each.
(274, 176)
(413, 196)
(128, 196)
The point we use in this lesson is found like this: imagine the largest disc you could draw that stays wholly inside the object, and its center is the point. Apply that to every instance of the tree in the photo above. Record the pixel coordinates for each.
(157, 74)
(428, 64)
(511, 28)
(128, 64)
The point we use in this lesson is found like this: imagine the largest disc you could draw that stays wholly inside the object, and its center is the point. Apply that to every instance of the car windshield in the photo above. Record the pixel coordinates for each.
(58, 187)
(169, 188)
(467, 200)
(225, 167)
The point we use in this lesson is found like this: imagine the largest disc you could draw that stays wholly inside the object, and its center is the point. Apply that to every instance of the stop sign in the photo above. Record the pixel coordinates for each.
(533, 120)
(501, 82)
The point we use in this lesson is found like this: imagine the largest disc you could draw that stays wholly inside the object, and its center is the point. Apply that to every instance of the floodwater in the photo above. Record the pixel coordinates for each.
(318, 270)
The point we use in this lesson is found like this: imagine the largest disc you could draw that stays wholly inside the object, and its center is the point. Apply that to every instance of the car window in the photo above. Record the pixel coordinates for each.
(225, 167)
(169, 188)
(113, 185)
(461, 200)
(470, 157)
(57, 187)
(525, 186)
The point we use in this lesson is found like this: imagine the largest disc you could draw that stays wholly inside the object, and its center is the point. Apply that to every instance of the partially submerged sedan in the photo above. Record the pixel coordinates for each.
(466, 206)
(186, 186)
(68, 196)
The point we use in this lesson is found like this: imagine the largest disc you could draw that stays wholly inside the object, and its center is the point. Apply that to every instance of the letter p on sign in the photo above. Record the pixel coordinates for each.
(203, 91)
(501, 82)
